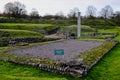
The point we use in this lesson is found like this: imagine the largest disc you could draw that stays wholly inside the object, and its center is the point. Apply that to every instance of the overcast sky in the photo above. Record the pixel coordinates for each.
(54, 6)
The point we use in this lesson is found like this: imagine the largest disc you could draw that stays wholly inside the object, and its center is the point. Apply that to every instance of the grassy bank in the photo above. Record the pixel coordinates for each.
(112, 30)
(115, 30)
(108, 68)
(27, 26)
(11, 33)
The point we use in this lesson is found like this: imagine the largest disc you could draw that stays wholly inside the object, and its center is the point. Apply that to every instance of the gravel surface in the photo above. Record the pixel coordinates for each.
(72, 48)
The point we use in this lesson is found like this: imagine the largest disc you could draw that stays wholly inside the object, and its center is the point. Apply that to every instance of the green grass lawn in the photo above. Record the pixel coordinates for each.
(107, 69)
(9, 71)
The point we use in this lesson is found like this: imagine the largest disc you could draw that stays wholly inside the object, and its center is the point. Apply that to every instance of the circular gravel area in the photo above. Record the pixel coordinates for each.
(72, 48)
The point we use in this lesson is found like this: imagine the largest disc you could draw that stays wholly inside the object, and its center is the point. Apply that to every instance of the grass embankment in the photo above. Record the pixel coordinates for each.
(27, 26)
(72, 29)
(17, 30)
(10, 33)
(112, 31)
(99, 23)
(115, 30)
(24, 30)
(88, 32)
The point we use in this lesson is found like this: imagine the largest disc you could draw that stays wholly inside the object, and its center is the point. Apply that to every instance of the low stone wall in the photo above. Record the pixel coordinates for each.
(45, 67)
(99, 35)
(89, 67)
(67, 70)
(8, 41)
(11, 42)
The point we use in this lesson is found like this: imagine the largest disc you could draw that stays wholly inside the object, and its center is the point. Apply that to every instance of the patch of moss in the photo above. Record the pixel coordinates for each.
(93, 55)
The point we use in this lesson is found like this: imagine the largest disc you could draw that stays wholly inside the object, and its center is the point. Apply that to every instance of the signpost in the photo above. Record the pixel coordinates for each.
(59, 52)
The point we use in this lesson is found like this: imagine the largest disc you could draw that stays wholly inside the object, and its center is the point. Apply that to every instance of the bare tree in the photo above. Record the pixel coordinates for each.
(91, 11)
(73, 13)
(15, 9)
(116, 17)
(34, 13)
(107, 12)
(8, 9)
(59, 15)
(48, 16)
(0, 14)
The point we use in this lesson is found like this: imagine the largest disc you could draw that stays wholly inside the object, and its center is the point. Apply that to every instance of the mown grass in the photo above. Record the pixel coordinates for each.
(11, 33)
(27, 26)
(9, 71)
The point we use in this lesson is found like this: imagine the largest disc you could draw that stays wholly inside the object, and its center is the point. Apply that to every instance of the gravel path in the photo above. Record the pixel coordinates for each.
(72, 48)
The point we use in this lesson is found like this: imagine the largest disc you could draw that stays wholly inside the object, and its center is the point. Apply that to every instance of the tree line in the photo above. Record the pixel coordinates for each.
(18, 10)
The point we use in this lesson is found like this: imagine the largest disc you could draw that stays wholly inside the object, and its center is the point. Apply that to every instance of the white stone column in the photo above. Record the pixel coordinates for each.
(79, 25)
